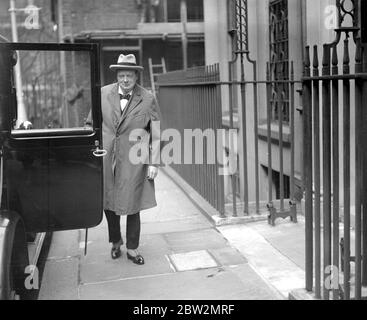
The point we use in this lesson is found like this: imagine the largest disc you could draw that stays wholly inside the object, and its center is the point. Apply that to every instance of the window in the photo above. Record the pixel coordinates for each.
(195, 10)
(196, 53)
(56, 90)
(173, 10)
(279, 57)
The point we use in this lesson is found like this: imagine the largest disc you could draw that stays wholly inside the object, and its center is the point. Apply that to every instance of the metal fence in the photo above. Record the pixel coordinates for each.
(191, 100)
(329, 165)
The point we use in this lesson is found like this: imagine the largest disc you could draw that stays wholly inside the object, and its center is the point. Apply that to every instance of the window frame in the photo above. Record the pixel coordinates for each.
(93, 49)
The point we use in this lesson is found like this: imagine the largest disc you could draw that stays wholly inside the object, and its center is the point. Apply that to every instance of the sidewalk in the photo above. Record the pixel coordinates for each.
(187, 258)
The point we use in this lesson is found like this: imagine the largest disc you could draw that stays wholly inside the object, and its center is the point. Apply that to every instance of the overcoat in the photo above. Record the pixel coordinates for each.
(127, 190)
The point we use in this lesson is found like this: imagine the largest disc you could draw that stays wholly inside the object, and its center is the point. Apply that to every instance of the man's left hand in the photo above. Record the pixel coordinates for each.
(152, 172)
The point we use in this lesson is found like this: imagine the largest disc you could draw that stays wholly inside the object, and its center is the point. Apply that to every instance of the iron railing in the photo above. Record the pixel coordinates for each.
(328, 144)
(191, 99)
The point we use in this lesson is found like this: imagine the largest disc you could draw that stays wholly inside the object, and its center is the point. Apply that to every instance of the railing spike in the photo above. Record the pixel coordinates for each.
(315, 61)
(335, 56)
(326, 59)
(307, 62)
(346, 58)
(358, 52)
(334, 60)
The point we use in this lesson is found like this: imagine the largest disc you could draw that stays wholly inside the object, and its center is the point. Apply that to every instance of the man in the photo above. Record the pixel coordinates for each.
(127, 108)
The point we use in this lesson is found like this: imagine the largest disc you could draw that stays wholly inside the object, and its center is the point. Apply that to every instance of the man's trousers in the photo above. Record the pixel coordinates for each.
(132, 229)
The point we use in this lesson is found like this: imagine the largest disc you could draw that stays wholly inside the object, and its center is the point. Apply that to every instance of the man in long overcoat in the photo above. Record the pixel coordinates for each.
(129, 113)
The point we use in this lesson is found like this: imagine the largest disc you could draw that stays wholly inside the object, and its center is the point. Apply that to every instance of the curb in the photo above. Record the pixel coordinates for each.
(301, 294)
(206, 209)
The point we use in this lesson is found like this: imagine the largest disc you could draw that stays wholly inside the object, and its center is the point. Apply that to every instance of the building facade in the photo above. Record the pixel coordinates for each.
(278, 32)
(172, 30)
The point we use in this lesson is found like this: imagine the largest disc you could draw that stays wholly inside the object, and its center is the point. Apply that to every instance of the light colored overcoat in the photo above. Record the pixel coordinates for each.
(126, 187)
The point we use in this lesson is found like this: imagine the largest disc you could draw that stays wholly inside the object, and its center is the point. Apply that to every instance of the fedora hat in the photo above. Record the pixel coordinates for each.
(127, 62)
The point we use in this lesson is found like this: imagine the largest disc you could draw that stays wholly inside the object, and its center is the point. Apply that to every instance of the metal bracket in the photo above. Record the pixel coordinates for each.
(274, 214)
(300, 110)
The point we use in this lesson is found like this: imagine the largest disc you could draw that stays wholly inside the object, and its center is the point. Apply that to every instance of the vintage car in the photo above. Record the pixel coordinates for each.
(51, 162)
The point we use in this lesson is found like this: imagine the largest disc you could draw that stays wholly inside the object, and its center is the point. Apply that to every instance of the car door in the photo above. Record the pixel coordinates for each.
(53, 152)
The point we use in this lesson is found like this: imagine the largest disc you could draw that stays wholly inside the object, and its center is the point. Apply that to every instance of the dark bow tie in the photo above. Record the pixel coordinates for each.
(125, 96)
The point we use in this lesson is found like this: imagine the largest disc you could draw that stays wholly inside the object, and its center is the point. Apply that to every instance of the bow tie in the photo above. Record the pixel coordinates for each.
(125, 96)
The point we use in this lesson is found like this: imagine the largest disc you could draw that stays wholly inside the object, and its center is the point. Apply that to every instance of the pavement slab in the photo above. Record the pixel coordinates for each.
(60, 280)
(210, 284)
(276, 268)
(193, 260)
(228, 256)
(287, 237)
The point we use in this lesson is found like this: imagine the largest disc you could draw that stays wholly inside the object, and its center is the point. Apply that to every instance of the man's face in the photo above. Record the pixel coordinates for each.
(127, 79)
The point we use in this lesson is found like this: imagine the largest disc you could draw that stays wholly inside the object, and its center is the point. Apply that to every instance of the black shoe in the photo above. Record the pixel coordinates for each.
(138, 259)
(115, 253)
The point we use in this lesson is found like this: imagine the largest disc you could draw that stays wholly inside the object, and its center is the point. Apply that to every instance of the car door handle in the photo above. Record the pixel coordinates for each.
(99, 152)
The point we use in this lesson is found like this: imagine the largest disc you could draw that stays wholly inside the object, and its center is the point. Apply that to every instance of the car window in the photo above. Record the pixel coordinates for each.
(53, 90)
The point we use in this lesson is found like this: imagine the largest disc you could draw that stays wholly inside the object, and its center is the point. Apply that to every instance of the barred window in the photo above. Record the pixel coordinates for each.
(279, 58)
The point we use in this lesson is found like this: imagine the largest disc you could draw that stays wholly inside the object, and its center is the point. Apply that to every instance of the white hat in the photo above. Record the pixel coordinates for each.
(127, 62)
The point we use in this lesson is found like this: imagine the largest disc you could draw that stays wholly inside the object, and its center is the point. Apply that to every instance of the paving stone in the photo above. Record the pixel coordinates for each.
(195, 240)
(192, 260)
(60, 280)
(107, 269)
(100, 268)
(287, 237)
(228, 256)
(64, 244)
(187, 224)
(98, 265)
(211, 284)
(274, 267)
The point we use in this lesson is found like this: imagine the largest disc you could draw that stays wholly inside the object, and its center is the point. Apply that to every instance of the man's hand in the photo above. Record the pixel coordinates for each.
(152, 172)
